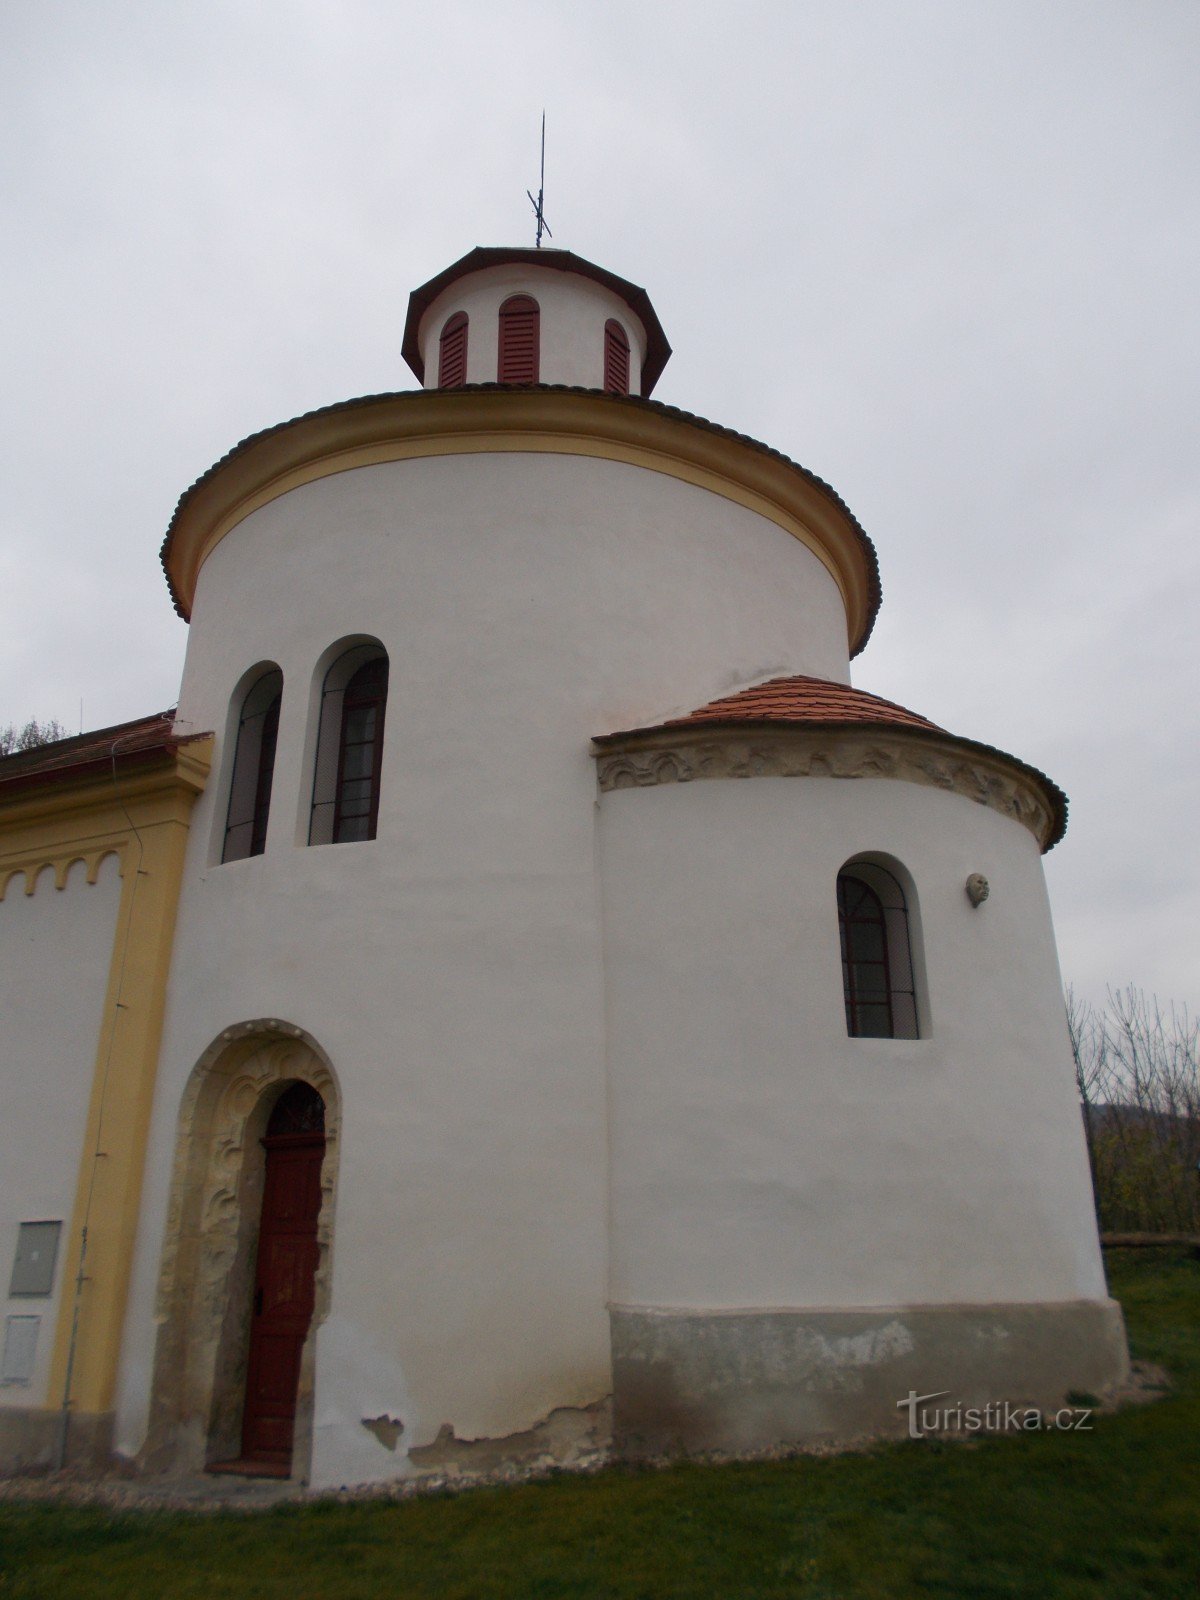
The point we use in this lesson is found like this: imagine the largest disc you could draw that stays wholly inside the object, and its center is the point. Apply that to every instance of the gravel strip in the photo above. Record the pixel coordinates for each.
(206, 1493)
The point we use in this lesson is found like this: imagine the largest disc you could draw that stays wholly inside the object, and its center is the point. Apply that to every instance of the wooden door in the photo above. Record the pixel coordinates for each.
(284, 1279)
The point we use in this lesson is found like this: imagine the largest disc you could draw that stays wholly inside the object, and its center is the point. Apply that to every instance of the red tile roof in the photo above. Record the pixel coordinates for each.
(818, 703)
(125, 743)
(805, 700)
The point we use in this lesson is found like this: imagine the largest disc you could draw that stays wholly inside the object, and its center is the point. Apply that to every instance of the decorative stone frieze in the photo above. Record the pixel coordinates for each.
(684, 756)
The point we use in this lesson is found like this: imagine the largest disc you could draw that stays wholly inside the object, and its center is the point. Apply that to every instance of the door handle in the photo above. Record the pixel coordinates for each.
(258, 1301)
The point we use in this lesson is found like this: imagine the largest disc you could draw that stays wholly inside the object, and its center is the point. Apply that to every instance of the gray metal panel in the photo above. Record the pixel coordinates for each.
(20, 1347)
(37, 1250)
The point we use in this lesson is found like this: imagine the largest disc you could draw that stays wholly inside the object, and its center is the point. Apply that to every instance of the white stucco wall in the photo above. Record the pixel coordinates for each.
(451, 969)
(760, 1157)
(605, 592)
(55, 956)
(573, 309)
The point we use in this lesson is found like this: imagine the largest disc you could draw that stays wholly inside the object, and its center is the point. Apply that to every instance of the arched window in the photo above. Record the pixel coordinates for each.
(452, 360)
(299, 1112)
(616, 358)
(359, 753)
(519, 340)
(253, 769)
(877, 966)
(345, 804)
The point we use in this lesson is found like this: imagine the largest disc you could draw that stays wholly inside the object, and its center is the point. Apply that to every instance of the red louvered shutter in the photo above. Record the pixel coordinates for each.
(452, 363)
(616, 358)
(518, 359)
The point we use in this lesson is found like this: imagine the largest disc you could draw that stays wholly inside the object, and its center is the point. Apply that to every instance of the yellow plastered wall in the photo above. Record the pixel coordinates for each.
(141, 815)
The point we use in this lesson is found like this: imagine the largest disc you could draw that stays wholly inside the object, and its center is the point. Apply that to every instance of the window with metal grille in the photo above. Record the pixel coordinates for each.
(877, 966)
(357, 810)
(349, 753)
(518, 360)
(452, 359)
(253, 768)
(616, 358)
(299, 1111)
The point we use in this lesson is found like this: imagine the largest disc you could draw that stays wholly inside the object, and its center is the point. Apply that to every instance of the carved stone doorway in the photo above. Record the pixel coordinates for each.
(209, 1275)
(284, 1282)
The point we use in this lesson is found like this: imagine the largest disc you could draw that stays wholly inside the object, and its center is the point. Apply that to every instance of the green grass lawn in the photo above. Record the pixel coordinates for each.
(1112, 1513)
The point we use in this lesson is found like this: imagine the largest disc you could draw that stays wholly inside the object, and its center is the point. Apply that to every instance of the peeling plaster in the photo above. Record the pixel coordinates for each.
(562, 1438)
(386, 1429)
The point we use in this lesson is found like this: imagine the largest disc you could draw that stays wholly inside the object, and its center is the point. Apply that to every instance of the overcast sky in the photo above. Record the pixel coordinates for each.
(946, 253)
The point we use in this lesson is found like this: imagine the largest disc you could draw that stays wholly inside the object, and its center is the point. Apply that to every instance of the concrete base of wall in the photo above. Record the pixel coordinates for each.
(29, 1440)
(745, 1381)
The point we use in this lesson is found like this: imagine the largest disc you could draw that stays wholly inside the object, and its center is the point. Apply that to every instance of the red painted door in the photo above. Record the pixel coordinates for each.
(284, 1282)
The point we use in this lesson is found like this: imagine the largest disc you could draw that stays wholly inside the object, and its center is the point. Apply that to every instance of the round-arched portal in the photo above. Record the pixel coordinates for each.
(209, 1275)
(284, 1281)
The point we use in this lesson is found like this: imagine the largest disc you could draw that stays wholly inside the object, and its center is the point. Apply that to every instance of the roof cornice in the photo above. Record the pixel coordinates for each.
(494, 417)
(55, 816)
(67, 785)
(683, 752)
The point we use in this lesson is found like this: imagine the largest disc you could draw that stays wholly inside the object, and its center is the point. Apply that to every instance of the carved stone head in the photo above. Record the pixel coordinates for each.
(978, 889)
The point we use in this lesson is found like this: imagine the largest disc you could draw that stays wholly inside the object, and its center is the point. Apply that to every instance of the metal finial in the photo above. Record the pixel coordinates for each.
(542, 225)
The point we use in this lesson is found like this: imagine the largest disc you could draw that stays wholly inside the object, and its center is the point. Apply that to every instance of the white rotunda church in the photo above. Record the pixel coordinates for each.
(524, 995)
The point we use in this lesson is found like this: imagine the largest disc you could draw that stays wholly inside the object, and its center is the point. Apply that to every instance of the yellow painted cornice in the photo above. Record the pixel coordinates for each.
(439, 422)
(62, 817)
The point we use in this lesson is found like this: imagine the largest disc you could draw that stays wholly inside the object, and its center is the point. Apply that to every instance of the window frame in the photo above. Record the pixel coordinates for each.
(458, 322)
(252, 773)
(898, 994)
(518, 309)
(369, 694)
(331, 679)
(616, 344)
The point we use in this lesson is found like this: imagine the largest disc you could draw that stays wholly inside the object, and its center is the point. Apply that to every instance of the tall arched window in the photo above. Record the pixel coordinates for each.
(452, 358)
(345, 805)
(518, 360)
(616, 358)
(360, 753)
(253, 769)
(877, 967)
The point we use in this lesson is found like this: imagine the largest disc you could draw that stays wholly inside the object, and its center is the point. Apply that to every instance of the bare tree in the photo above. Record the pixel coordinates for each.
(33, 734)
(1137, 1066)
